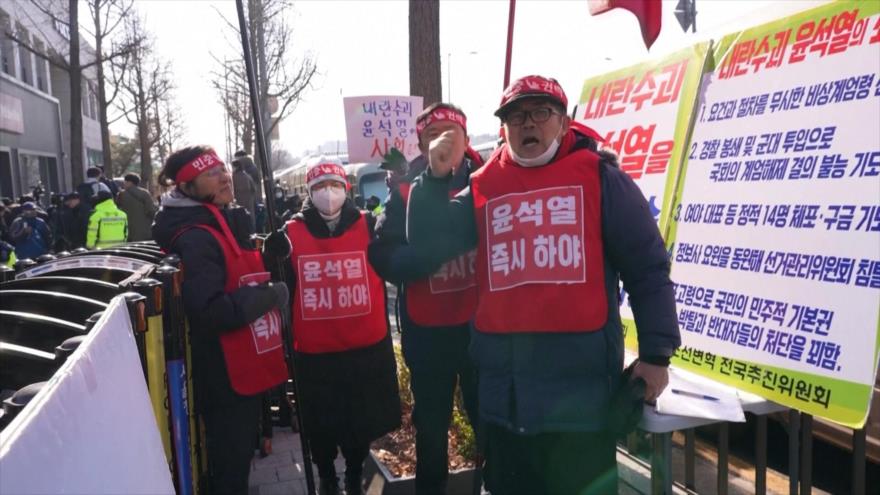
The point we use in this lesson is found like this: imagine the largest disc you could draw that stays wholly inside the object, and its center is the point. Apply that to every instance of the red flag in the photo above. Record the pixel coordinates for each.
(648, 12)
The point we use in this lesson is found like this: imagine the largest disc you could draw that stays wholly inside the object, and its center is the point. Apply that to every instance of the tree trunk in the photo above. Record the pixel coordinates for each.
(424, 50)
(144, 136)
(76, 131)
(102, 94)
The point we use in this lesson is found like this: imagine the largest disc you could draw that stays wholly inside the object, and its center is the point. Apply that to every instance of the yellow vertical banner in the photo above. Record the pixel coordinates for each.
(643, 112)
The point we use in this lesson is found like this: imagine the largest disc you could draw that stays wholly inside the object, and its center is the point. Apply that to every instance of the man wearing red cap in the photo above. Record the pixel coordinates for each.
(436, 303)
(556, 224)
(347, 373)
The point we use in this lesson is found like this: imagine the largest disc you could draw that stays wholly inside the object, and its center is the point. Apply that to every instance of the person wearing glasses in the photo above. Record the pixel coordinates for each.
(555, 224)
(235, 314)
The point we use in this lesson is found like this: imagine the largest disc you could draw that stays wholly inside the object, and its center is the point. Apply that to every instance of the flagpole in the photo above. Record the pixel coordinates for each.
(268, 187)
(507, 60)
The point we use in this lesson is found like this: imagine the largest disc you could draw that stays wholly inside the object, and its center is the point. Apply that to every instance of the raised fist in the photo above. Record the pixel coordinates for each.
(446, 152)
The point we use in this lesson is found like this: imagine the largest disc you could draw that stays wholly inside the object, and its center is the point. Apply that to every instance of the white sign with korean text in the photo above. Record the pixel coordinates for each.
(776, 240)
(375, 124)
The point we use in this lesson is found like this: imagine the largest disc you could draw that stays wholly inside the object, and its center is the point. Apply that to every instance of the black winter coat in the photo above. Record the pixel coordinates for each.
(209, 309)
(349, 395)
(438, 349)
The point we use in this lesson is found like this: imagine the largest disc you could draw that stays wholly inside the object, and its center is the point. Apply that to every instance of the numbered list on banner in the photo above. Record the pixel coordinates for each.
(776, 239)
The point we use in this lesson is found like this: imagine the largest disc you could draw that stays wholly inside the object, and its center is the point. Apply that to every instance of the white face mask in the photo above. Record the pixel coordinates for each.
(542, 159)
(329, 200)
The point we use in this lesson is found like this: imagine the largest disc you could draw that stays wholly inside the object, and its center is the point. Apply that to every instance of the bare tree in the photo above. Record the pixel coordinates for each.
(168, 124)
(143, 85)
(106, 15)
(281, 78)
(123, 153)
(281, 158)
(424, 50)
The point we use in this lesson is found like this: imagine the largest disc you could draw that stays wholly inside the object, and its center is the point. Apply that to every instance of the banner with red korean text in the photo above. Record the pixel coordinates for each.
(643, 112)
(775, 231)
(375, 124)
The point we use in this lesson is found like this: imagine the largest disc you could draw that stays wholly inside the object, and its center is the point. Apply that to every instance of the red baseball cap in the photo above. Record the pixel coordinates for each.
(530, 87)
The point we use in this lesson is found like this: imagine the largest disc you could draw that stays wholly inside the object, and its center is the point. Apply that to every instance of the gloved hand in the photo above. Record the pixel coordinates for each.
(627, 403)
(276, 246)
(282, 300)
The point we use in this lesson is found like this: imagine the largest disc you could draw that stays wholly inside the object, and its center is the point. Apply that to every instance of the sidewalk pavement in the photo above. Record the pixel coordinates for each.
(281, 473)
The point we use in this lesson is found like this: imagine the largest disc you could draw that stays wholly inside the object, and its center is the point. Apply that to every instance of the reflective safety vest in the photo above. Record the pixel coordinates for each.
(449, 295)
(254, 353)
(339, 302)
(540, 259)
(108, 226)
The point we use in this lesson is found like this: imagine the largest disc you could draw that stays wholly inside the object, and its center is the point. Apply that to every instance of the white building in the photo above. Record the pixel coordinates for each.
(35, 102)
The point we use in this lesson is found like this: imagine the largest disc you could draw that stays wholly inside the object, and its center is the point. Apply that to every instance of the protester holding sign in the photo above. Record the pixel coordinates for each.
(235, 315)
(347, 373)
(435, 306)
(555, 225)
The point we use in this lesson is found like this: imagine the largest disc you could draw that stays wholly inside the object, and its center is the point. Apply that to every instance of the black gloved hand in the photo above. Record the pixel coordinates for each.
(277, 246)
(627, 403)
(282, 300)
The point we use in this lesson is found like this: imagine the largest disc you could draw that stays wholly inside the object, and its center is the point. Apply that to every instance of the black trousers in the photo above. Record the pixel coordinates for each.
(230, 433)
(324, 451)
(575, 463)
(433, 394)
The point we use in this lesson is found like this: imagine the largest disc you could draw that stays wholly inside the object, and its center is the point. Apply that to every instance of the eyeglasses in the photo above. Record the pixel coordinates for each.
(538, 116)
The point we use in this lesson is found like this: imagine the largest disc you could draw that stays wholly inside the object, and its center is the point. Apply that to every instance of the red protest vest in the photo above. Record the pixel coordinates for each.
(254, 353)
(540, 260)
(449, 295)
(339, 303)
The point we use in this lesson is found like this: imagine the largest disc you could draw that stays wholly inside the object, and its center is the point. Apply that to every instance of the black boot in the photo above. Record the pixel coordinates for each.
(354, 485)
(329, 486)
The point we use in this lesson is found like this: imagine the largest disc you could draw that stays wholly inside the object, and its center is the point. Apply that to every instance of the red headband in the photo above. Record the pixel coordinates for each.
(440, 114)
(191, 170)
(325, 171)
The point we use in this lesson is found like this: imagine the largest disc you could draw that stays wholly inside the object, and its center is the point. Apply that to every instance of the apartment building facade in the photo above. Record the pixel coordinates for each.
(35, 102)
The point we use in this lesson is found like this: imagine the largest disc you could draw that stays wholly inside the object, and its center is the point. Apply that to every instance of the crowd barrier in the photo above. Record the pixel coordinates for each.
(47, 303)
(49, 308)
(89, 427)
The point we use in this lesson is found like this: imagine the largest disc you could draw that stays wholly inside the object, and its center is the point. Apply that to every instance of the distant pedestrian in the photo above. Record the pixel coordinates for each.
(30, 234)
(246, 162)
(108, 225)
(7, 254)
(109, 182)
(138, 206)
(245, 191)
(88, 190)
(72, 224)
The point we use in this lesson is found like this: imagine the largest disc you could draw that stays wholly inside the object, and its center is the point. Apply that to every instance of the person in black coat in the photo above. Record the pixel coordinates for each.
(347, 372)
(72, 224)
(231, 419)
(435, 347)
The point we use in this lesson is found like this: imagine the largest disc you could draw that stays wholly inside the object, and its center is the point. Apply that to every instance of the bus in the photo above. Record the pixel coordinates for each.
(366, 179)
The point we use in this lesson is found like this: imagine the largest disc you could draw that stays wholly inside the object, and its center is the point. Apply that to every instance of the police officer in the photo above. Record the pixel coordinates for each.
(108, 225)
(555, 224)
(436, 305)
(348, 376)
(235, 315)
